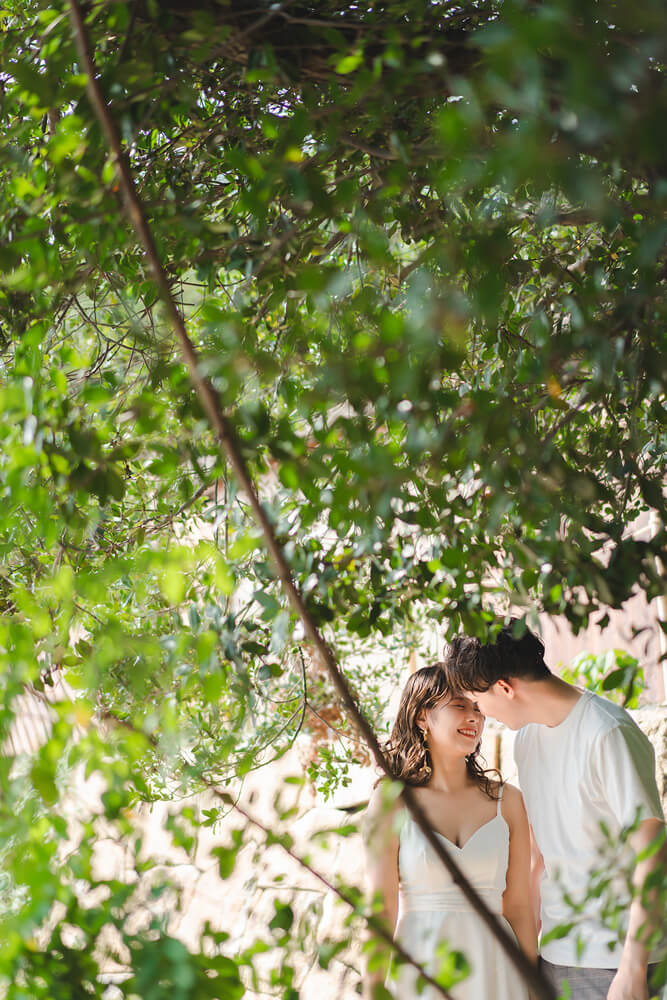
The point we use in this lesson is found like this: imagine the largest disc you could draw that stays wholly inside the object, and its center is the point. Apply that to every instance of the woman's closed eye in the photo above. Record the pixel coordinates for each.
(467, 707)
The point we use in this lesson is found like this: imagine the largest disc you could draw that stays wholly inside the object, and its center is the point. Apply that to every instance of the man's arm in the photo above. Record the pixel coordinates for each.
(629, 983)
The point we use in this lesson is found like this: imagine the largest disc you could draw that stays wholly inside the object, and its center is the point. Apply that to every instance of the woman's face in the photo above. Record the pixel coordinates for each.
(454, 725)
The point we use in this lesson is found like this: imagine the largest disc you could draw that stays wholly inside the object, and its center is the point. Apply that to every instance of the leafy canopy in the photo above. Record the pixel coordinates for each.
(419, 247)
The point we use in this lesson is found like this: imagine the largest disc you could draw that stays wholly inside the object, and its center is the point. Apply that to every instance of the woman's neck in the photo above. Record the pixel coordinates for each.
(449, 775)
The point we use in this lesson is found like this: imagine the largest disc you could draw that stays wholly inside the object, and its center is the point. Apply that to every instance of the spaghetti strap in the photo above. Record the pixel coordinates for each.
(500, 798)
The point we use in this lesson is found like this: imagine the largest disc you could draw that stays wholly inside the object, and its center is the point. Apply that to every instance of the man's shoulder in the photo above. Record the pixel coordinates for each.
(594, 717)
(604, 715)
(603, 727)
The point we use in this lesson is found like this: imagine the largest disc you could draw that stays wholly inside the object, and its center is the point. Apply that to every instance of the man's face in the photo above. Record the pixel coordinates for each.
(499, 702)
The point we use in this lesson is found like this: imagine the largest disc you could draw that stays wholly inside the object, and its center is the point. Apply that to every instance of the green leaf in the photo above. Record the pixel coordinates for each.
(34, 82)
(328, 951)
(350, 62)
(283, 918)
(42, 776)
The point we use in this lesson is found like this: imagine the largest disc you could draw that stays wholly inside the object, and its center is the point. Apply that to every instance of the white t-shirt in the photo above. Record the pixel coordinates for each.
(595, 767)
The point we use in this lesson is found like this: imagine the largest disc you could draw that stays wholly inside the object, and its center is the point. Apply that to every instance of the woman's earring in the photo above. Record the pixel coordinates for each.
(426, 769)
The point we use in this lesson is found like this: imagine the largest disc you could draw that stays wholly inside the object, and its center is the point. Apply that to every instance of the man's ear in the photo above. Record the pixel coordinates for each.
(506, 688)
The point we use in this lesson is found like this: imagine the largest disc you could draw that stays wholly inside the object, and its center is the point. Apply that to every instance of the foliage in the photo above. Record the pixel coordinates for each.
(611, 888)
(420, 250)
(614, 674)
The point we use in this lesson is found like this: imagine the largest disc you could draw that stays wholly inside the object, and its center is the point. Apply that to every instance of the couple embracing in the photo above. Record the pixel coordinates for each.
(586, 773)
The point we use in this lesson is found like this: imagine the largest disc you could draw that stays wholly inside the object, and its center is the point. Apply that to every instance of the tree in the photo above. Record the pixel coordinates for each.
(419, 251)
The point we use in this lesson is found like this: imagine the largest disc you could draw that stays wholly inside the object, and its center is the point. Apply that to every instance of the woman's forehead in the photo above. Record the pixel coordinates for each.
(453, 696)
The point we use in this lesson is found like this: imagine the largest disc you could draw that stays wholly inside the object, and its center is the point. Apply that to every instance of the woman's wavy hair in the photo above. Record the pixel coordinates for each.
(406, 750)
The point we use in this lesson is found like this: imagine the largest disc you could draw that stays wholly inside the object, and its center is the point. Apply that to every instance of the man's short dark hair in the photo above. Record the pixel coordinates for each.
(472, 665)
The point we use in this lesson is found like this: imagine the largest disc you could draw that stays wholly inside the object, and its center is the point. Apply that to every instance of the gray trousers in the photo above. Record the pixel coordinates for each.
(585, 984)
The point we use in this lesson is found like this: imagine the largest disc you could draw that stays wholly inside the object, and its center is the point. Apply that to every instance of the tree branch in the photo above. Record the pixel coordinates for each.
(211, 403)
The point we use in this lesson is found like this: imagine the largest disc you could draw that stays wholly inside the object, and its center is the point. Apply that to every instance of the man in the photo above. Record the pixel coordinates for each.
(584, 767)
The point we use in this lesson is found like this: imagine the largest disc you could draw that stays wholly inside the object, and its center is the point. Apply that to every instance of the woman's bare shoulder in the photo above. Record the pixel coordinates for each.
(384, 804)
(512, 805)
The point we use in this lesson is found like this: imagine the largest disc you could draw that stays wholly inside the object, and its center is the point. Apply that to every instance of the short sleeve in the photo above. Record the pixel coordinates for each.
(519, 745)
(626, 771)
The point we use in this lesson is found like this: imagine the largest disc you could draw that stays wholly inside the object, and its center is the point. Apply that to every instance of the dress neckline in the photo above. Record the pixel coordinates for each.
(456, 847)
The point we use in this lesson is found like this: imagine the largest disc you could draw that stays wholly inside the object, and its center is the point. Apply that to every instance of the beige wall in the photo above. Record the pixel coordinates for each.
(634, 628)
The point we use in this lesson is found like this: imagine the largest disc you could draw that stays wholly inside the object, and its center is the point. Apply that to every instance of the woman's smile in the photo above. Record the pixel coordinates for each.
(462, 710)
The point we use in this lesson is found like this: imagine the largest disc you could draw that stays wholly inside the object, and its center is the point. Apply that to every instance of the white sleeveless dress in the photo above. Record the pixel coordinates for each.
(433, 909)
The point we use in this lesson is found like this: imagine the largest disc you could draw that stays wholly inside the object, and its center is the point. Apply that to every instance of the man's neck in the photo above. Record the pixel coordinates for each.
(549, 702)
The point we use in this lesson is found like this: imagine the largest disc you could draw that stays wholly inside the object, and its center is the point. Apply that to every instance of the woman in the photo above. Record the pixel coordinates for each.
(434, 747)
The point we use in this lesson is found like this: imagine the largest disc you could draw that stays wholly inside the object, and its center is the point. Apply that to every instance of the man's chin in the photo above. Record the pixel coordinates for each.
(514, 726)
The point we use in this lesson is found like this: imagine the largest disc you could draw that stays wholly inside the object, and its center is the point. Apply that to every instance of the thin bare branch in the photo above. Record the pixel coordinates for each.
(373, 922)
